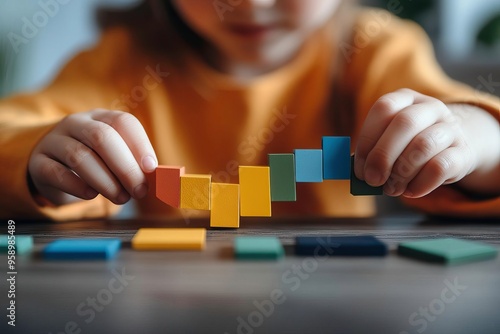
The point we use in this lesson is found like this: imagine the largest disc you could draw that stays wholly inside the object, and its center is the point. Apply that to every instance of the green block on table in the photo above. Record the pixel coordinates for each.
(23, 243)
(258, 248)
(360, 187)
(447, 250)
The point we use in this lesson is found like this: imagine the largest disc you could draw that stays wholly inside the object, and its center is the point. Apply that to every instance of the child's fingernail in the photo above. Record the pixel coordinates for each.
(408, 194)
(141, 191)
(372, 177)
(149, 163)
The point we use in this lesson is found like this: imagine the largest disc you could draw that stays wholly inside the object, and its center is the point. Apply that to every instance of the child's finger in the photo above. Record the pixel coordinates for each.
(377, 120)
(134, 135)
(446, 167)
(114, 152)
(53, 178)
(415, 156)
(88, 166)
(403, 128)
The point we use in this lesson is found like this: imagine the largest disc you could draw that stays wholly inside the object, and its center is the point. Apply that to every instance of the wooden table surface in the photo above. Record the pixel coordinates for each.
(210, 292)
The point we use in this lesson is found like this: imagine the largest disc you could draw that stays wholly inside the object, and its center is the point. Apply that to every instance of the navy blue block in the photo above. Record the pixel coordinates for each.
(360, 187)
(336, 158)
(86, 249)
(366, 245)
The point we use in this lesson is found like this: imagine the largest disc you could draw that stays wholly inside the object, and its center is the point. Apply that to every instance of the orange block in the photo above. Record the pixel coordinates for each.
(168, 184)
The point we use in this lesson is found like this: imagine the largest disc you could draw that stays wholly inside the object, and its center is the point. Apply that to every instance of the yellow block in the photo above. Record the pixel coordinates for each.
(195, 191)
(169, 239)
(255, 193)
(225, 200)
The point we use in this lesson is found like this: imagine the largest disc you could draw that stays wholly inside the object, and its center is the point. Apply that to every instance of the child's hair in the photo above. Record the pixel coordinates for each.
(151, 20)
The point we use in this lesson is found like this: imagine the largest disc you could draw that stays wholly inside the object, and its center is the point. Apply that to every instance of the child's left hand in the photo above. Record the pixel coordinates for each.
(412, 144)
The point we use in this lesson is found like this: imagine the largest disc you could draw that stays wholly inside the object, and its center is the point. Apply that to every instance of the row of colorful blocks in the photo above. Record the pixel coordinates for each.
(446, 250)
(259, 185)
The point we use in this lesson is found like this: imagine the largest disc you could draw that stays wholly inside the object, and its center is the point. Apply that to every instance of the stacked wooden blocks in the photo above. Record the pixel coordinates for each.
(260, 185)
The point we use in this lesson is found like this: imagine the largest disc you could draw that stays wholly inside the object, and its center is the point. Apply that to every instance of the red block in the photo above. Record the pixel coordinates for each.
(168, 184)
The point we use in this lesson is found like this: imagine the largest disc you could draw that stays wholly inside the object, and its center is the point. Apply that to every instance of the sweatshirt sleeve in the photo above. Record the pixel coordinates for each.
(87, 82)
(398, 54)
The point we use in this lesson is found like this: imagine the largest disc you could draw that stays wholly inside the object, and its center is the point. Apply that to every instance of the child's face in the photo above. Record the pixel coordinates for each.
(260, 33)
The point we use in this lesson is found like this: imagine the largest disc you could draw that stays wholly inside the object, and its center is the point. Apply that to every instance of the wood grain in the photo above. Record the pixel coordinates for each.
(210, 292)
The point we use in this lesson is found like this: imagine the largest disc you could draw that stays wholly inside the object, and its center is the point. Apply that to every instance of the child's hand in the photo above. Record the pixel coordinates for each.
(94, 152)
(414, 143)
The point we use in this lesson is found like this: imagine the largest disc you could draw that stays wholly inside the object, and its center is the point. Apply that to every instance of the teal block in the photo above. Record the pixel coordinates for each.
(258, 248)
(283, 186)
(308, 165)
(22, 243)
(336, 158)
(76, 249)
(447, 250)
(360, 187)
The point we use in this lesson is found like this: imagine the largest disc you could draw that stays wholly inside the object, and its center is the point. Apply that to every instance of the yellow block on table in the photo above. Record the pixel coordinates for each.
(169, 239)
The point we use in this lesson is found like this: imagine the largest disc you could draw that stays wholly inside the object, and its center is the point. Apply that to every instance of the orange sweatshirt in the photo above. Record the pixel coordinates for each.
(203, 120)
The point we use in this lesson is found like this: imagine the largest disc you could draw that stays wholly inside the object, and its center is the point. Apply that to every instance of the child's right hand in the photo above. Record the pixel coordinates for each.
(99, 151)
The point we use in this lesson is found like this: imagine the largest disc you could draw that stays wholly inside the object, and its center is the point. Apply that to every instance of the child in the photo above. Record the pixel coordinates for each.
(211, 85)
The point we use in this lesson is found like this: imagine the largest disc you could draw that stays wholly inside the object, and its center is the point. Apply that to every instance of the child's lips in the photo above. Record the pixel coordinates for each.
(251, 31)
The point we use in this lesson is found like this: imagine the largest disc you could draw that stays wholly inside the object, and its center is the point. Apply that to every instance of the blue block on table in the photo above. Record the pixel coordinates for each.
(85, 249)
(308, 165)
(340, 246)
(336, 158)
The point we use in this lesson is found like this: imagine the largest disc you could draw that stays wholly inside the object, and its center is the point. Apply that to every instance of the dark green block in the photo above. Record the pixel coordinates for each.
(23, 243)
(258, 248)
(447, 250)
(283, 186)
(360, 187)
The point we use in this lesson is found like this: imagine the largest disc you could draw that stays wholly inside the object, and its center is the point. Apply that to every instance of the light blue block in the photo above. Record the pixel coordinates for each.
(88, 249)
(22, 243)
(308, 165)
(336, 158)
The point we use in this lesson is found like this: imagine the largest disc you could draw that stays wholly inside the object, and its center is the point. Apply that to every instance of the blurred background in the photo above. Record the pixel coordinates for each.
(465, 33)
(37, 37)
